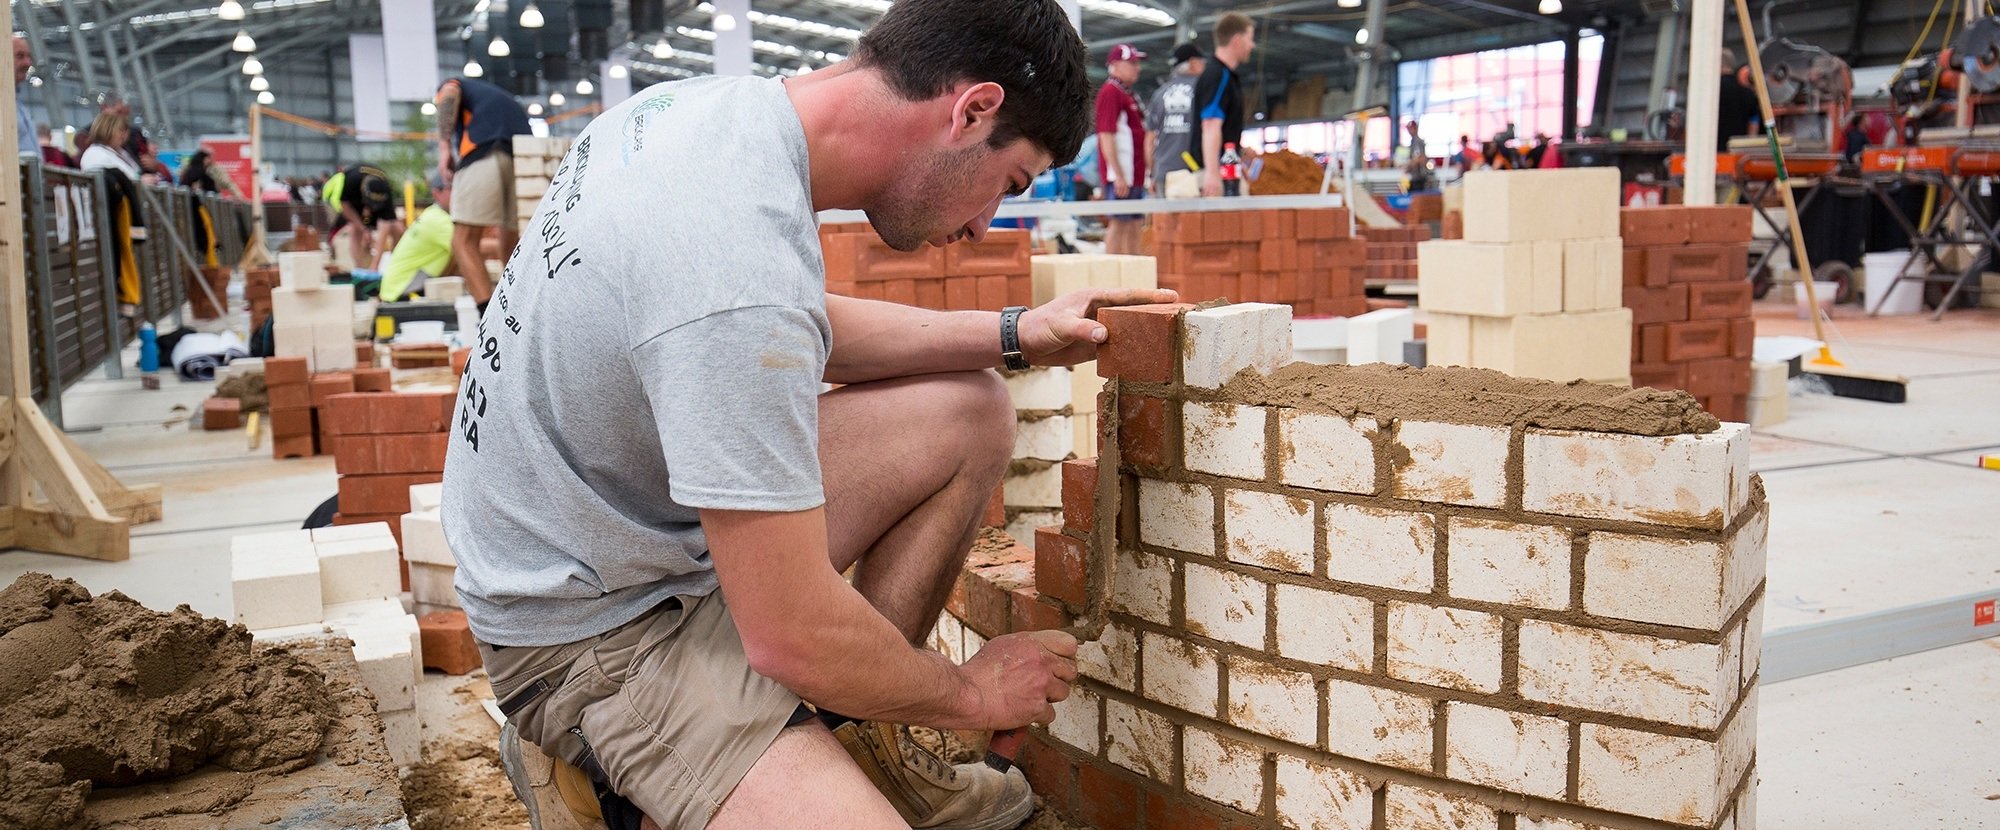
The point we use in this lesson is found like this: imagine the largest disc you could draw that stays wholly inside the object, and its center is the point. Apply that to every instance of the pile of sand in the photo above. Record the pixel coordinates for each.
(104, 692)
(1286, 172)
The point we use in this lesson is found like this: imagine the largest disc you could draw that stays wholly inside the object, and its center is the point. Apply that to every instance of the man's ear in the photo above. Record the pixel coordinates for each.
(976, 112)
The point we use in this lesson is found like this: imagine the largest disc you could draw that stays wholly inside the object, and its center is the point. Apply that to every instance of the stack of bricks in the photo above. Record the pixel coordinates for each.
(1054, 275)
(1392, 252)
(385, 442)
(216, 279)
(1302, 258)
(288, 385)
(1045, 432)
(432, 567)
(337, 580)
(257, 286)
(315, 320)
(1685, 282)
(535, 164)
(1534, 288)
(1325, 618)
(987, 275)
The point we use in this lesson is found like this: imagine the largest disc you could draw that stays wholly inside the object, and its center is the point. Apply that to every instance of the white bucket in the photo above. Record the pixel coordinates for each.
(422, 331)
(1823, 290)
(1904, 297)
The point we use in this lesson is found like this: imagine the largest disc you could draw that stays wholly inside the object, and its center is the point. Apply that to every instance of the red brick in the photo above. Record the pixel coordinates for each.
(1742, 337)
(1139, 342)
(221, 413)
(447, 642)
(1270, 254)
(992, 292)
(1050, 773)
(291, 422)
(411, 453)
(961, 293)
(1221, 227)
(1696, 340)
(366, 413)
(285, 370)
(1060, 567)
(864, 257)
(373, 380)
(353, 454)
(457, 360)
(1635, 267)
(1079, 494)
(1697, 263)
(388, 494)
(327, 384)
(289, 396)
(989, 610)
(1142, 430)
(1214, 258)
(1718, 223)
(955, 601)
(1177, 811)
(1002, 252)
(1288, 225)
(1250, 225)
(1651, 343)
(1719, 376)
(291, 446)
(1718, 300)
(364, 353)
(844, 288)
(930, 294)
(1648, 226)
(996, 510)
(1105, 800)
(1028, 610)
(1179, 228)
(900, 291)
(1020, 290)
(1270, 223)
(1659, 375)
(1657, 305)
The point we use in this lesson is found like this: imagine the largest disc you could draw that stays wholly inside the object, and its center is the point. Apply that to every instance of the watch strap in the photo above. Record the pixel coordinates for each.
(1010, 338)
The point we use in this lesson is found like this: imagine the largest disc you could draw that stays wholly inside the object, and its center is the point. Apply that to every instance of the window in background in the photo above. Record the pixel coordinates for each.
(1479, 94)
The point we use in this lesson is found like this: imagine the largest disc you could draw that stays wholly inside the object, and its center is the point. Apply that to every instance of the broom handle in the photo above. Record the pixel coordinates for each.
(1778, 156)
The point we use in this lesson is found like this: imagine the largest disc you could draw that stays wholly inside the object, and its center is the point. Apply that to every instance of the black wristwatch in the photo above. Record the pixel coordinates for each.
(1010, 338)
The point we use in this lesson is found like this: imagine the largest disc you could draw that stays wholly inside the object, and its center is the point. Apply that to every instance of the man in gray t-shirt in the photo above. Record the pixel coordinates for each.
(652, 503)
(1170, 118)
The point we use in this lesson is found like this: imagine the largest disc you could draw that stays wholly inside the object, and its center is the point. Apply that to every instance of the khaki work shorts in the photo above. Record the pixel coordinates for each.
(665, 708)
(482, 194)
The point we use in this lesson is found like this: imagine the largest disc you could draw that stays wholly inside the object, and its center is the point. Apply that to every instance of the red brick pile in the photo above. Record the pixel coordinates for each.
(217, 279)
(990, 274)
(257, 285)
(1686, 283)
(384, 442)
(1392, 252)
(1302, 258)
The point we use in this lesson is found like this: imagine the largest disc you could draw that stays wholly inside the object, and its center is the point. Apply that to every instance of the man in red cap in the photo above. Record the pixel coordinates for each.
(1121, 133)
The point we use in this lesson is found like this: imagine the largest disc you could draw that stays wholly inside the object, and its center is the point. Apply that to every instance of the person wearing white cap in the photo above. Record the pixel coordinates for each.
(1121, 132)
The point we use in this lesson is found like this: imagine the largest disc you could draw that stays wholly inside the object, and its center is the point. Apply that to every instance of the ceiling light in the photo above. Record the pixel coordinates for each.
(252, 66)
(531, 17)
(1128, 11)
(266, 97)
(618, 72)
(481, 7)
(725, 22)
(259, 83)
(1361, 36)
(428, 108)
(662, 50)
(498, 48)
(473, 69)
(1349, 4)
(585, 87)
(229, 10)
(556, 99)
(243, 42)
(1550, 7)
(535, 109)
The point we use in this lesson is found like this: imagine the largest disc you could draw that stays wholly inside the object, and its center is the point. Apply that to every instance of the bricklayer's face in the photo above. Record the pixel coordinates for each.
(951, 195)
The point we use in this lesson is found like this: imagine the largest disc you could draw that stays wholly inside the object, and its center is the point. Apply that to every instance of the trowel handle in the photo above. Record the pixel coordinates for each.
(1006, 744)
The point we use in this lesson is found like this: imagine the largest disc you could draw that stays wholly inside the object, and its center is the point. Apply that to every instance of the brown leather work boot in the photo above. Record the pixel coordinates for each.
(558, 796)
(929, 793)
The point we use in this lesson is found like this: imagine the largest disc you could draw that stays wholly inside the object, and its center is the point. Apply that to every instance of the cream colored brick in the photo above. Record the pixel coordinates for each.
(1053, 275)
(1753, 642)
(1224, 439)
(1475, 278)
(1178, 516)
(1669, 681)
(1593, 274)
(1448, 340)
(1222, 770)
(1526, 822)
(1084, 387)
(426, 497)
(1373, 546)
(1223, 605)
(1180, 674)
(1138, 272)
(1325, 628)
(275, 587)
(1647, 774)
(1140, 741)
(1271, 701)
(1415, 808)
(1269, 530)
(1112, 658)
(1078, 720)
(1564, 347)
(1219, 342)
(1522, 205)
(1041, 487)
(1681, 480)
(1142, 585)
(1326, 452)
(1548, 285)
(1509, 563)
(1039, 388)
(1380, 725)
(1044, 439)
(1507, 750)
(948, 638)
(1314, 796)
(1685, 582)
(1452, 463)
(1769, 378)
(1444, 647)
(1379, 335)
(423, 539)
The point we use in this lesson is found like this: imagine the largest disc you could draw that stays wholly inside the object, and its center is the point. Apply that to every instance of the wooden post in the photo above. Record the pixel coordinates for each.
(1703, 98)
(256, 254)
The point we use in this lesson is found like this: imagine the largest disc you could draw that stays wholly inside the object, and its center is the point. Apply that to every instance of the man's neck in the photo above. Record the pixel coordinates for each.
(1228, 61)
(848, 115)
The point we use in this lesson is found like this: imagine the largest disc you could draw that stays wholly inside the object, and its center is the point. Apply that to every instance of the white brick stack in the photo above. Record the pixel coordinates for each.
(1057, 274)
(1536, 287)
(535, 163)
(310, 317)
(1044, 435)
(432, 568)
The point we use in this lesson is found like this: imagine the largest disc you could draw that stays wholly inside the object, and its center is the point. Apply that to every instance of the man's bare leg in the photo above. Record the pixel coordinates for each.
(909, 466)
(472, 266)
(805, 780)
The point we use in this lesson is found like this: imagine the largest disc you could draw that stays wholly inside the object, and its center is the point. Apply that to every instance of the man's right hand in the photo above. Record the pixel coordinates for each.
(1121, 190)
(1013, 681)
(444, 171)
(1211, 182)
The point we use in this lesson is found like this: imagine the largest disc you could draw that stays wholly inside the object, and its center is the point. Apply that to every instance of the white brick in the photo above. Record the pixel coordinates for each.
(1739, 742)
(1668, 681)
(1085, 428)
(1142, 585)
(363, 568)
(275, 587)
(1526, 822)
(1223, 341)
(1685, 582)
(1519, 205)
(1507, 750)
(1508, 563)
(1026, 520)
(1040, 388)
(405, 736)
(1378, 336)
(348, 533)
(1475, 278)
(1044, 439)
(1646, 774)
(1319, 334)
(378, 614)
(1373, 546)
(1179, 674)
(1448, 339)
(948, 638)
(1769, 379)
(292, 340)
(1593, 274)
(1318, 797)
(432, 584)
(1033, 488)
(1746, 806)
(1077, 720)
(1380, 725)
(1222, 770)
(1053, 275)
(1140, 272)
(1224, 439)
(1140, 741)
(327, 358)
(1681, 480)
(301, 270)
(1112, 658)
(1753, 641)
(423, 539)
(1178, 516)
(1223, 605)
(1325, 628)
(384, 657)
(1272, 701)
(1548, 285)
(1452, 463)
(1444, 647)
(1269, 530)
(257, 544)
(1415, 808)
(426, 497)
(1326, 452)
(1588, 345)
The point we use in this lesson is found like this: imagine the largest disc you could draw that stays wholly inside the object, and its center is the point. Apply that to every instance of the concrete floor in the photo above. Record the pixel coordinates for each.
(1874, 506)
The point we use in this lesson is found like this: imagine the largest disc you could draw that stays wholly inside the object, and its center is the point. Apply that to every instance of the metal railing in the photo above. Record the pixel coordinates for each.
(74, 322)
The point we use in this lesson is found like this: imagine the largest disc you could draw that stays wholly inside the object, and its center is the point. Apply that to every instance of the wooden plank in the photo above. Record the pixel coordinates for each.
(39, 447)
(108, 539)
(137, 503)
(14, 377)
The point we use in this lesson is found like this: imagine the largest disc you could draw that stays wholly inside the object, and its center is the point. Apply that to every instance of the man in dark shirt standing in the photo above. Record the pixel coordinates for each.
(1219, 94)
(477, 122)
(1736, 109)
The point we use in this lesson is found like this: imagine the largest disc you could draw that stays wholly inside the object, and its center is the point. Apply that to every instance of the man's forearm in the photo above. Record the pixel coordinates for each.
(875, 340)
(1211, 144)
(1107, 149)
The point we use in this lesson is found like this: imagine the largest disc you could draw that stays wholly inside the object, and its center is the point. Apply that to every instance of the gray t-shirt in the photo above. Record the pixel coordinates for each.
(1170, 115)
(655, 347)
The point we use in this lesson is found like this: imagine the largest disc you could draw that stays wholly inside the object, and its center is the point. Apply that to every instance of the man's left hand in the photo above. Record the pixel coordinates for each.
(1065, 331)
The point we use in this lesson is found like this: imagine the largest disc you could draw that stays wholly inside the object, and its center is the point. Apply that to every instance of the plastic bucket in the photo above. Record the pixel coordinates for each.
(1823, 290)
(1904, 297)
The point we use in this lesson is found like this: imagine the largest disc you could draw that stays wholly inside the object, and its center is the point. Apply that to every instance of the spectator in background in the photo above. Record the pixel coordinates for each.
(1853, 140)
(201, 175)
(1121, 161)
(51, 153)
(1418, 166)
(24, 124)
(1467, 156)
(1736, 110)
(1218, 96)
(1534, 154)
(363, 198)
(108, 135)
(1170, 116)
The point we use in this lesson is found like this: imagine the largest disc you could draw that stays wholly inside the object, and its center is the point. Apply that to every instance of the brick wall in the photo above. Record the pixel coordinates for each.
(1686, 285)
(1302, 258)
(1369, 614)
(990, 274)
(383, 444)
(1392, 252)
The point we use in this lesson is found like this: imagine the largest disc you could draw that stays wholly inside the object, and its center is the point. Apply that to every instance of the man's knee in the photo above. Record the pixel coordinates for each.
(983, 413)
